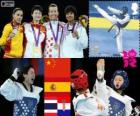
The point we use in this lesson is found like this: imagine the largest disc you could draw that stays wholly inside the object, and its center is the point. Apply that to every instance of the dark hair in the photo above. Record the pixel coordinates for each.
(16, 9)
(23, 71)
(37, 7)
(124, 75)
(26, 69)
(124, 10)
(71, 8)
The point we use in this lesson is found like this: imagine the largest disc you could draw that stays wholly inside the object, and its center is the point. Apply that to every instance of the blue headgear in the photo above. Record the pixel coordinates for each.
(125, 77)
(124, 10)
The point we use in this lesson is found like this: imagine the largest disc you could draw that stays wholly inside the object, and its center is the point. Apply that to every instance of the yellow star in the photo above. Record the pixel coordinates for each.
(48, 62)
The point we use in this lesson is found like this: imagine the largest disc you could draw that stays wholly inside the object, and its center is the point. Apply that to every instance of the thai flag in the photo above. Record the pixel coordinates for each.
(55, 108)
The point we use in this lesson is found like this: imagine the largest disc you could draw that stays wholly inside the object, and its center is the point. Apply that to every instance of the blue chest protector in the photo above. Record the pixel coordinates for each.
(116, 107)
(25, 107)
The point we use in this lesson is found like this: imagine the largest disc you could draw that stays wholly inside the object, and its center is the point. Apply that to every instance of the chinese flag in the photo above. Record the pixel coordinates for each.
(57, 68)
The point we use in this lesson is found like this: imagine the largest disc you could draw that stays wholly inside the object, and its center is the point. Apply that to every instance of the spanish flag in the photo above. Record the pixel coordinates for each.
(57, 87)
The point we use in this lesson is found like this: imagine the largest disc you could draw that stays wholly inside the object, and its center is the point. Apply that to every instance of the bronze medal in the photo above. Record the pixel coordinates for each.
(56, 46)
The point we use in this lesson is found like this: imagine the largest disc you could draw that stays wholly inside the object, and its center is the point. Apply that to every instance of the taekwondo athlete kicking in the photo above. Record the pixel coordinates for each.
(120, 20)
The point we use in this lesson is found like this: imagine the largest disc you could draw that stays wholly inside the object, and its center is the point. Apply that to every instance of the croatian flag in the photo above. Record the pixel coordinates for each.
(55, 108)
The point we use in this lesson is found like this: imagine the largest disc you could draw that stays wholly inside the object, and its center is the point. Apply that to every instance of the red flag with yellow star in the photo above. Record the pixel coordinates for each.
(57, 67)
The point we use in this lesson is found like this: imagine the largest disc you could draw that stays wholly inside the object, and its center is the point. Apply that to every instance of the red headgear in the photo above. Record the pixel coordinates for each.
(79, 79)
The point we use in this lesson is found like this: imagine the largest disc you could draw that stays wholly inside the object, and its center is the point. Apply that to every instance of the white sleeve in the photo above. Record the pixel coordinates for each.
(11, 90)
(74, 101)
(115, 11)
(125, 20)
(128, 105)
(26, 26)
(128, 108)
(25, 30)
(28, 31)
(38, 89)
(101, 90)
(83, 38)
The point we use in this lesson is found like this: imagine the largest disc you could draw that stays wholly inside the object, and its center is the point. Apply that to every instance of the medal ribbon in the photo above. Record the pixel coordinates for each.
(72, 30)
(36, 38)
(55, 37)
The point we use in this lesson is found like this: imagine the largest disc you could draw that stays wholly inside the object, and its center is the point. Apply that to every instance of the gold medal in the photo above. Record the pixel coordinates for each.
(36, 49)
(56, 46)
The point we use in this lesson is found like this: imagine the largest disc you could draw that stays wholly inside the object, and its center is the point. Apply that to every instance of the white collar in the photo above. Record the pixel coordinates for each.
(54, 22)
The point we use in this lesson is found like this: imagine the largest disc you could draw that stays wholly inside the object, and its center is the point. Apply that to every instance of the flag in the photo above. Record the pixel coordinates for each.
(57, 87)
(50, 106)
(60, 96)
(55, 107)
(57, 68)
